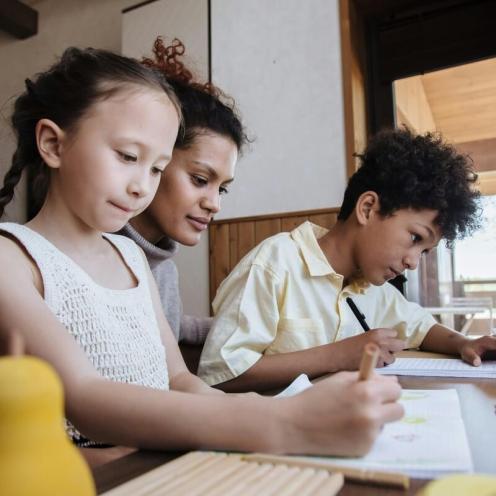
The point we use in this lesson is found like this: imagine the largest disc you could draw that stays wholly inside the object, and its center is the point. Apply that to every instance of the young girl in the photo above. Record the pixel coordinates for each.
(99, 129)
(202, 166)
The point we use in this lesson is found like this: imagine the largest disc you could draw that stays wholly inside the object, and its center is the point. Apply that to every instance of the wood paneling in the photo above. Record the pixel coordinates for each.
(219, 255)
(266, 228)
(482, 152)
(487, 182)
(463, 101)
(412, 106)
(230, 240)
(18, 19)
(459, 102)
(354, 96)
(434, 35)
(246, 239)
(290, 223)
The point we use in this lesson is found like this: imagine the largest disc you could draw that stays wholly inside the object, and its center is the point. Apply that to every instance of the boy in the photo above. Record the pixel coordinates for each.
(283, 309)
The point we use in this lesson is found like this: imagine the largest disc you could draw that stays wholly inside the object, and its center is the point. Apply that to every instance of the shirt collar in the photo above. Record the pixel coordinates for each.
(306, 237)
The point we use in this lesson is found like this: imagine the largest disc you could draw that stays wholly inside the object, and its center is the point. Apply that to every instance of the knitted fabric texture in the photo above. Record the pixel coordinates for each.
(117, 329)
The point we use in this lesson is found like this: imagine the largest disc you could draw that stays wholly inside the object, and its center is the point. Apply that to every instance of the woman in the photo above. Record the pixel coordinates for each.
(202, 166)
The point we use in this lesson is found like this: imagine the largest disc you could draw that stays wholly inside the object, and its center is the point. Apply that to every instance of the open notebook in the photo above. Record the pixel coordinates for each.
(439, 367)
(429, 441)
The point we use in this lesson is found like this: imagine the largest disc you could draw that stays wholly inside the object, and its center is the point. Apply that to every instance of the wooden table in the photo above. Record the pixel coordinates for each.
(478, 403)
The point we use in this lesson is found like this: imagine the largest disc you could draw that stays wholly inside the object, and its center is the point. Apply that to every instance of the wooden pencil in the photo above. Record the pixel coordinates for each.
(355, 474)
(369, 361)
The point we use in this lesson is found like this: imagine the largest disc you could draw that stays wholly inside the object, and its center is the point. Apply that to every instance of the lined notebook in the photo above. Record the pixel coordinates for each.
(439, 367)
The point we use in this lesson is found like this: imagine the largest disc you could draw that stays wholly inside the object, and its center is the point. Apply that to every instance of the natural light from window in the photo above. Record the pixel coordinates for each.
(475, 257)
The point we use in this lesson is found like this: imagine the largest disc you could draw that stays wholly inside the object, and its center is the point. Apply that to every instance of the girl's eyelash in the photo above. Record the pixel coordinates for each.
(127, 157)
(223, 190)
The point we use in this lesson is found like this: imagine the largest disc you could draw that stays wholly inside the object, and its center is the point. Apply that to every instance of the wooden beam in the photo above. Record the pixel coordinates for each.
(451, 36)
(18, 19)
(412, 105)
(354, 94)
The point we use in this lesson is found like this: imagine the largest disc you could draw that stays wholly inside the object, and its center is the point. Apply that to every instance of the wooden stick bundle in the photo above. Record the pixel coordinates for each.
(222, 474)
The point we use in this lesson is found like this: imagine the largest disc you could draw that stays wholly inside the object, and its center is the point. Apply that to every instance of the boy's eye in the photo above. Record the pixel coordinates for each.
(416, 238)
(199, 180)
(127, 157)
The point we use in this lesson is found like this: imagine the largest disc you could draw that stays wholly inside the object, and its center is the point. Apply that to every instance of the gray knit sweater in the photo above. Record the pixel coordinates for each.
(187, 329)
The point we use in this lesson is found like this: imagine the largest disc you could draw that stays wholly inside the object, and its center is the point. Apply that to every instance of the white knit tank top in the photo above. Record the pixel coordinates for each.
(117, 328)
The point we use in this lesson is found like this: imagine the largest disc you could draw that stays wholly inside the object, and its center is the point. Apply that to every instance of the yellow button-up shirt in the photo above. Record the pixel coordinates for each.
(284, 296)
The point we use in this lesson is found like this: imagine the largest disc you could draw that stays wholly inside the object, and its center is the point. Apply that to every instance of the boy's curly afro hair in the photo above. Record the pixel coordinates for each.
(417, 172)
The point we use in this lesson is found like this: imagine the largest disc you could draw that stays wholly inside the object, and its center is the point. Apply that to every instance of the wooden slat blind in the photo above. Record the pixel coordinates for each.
(231, 239)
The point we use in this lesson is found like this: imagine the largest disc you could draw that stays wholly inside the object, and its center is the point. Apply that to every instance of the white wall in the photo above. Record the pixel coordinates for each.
(281, 61)
(183, 19)
(62, 23)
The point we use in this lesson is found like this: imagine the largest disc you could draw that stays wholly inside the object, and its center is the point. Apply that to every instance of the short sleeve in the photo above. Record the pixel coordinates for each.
(245, 323)
(410, 320)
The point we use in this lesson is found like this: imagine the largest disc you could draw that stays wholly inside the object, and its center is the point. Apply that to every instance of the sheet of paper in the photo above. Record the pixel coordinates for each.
(301, 383)
(430, 439)
(438, 367)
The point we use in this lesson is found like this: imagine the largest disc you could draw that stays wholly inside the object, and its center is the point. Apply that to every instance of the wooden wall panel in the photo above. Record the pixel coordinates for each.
(290, 223)
(230, 240)
(246, 239)
(353, 60)
(219, 256)
(266, 228)
(233, 245)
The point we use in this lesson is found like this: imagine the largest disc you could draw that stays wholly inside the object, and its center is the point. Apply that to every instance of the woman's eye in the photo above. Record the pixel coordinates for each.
(223, 190)
(199, 180)
(127, 157)
(416, 238)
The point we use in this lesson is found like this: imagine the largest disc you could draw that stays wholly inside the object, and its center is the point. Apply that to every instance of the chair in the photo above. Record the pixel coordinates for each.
(467, 306)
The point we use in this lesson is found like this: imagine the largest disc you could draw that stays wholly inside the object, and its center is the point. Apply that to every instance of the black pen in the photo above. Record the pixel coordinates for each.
(359, 315)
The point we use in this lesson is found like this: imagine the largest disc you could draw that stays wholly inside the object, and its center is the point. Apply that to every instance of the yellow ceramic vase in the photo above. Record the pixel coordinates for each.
(36, 456)
(461, 485)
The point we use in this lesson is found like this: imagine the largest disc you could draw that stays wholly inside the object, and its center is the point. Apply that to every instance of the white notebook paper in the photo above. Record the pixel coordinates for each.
(301, 383)
(429, 441)
(438, 367)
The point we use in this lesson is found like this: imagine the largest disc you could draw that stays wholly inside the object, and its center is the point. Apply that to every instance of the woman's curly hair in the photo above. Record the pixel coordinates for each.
(417, 172)
(204, 106)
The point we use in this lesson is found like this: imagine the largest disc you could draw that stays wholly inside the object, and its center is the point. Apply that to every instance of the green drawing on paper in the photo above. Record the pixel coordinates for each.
(413, 395)
(414, 420)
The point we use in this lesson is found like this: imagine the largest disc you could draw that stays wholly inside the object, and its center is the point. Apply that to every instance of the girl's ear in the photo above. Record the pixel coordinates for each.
(49, 139)
(366, 206)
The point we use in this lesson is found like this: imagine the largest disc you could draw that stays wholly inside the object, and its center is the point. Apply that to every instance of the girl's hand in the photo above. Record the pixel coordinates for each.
(473, 351)
(341, 415)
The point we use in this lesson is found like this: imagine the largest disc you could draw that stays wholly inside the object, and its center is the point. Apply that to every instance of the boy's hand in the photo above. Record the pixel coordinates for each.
(385, 339)
(473, 351)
